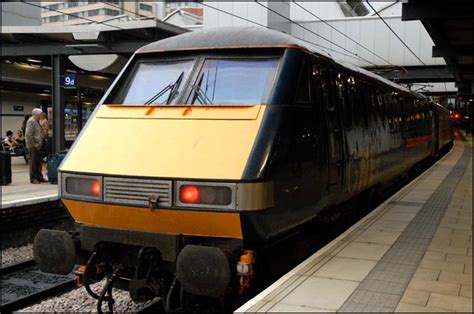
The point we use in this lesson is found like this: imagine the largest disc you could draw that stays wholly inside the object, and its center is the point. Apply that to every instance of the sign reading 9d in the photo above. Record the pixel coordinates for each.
(69, 80)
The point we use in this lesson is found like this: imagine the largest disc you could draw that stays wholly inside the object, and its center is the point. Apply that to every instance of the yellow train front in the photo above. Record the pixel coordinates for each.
(211, 144)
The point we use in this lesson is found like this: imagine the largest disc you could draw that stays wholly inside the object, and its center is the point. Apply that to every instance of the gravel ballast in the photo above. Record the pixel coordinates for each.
(15, 255)
(79, 300)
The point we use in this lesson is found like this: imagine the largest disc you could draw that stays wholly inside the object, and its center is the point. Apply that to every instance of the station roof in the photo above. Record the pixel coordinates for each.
(113, 37)
(27, 50)
(450, 25)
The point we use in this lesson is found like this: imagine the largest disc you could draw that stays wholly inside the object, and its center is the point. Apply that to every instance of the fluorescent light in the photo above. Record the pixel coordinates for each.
(33, 60)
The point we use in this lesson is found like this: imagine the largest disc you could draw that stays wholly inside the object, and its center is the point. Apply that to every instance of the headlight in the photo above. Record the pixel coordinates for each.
(81, 186)
(224, 196)
(78, 186)
(205, 195)
(209, 195)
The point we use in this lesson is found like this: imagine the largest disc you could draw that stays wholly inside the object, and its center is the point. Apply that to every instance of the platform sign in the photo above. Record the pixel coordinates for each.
(69, 80)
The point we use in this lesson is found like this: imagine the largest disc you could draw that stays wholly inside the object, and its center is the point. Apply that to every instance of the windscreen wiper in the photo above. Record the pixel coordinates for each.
(173, 87)
(174, 90)
(199, 93)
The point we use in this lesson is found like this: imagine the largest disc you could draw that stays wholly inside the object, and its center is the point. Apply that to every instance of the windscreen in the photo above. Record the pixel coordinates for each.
(234, 81)
(156, 83)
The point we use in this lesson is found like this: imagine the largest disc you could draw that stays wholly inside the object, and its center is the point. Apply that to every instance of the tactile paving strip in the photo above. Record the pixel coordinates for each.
(405, 203)
(384, 286)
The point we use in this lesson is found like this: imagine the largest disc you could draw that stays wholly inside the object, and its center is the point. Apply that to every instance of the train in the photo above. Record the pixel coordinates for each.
(212, 144)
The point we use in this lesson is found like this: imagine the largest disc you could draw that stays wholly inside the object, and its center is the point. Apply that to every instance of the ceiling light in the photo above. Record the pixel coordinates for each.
(34, 60)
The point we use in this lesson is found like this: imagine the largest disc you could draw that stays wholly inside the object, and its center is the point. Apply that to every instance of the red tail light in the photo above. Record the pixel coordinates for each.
(457, 116)
(88, 187)
(95, 188)
(200, 195)
(189, 194)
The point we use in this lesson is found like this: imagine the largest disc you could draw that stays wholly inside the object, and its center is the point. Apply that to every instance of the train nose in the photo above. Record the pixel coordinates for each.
(54, 252)
(203, 270)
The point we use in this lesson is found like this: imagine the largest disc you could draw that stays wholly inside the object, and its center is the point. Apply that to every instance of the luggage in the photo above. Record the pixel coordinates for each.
(53, 164)
(5, 168)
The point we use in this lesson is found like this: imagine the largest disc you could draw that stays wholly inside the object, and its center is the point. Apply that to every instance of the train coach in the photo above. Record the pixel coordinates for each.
(212, 144)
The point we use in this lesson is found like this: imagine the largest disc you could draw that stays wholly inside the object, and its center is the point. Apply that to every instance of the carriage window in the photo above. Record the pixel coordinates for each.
(350, 101)
(332, 90)
(152, 83)
(364, 102)
(235, 82)
(324, 81)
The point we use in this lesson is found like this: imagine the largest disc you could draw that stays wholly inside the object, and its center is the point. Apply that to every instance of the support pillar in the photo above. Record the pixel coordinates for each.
(79, 110)
(58, 69)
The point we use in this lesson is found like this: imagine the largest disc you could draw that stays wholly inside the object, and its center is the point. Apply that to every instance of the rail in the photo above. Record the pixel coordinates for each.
(24, 285)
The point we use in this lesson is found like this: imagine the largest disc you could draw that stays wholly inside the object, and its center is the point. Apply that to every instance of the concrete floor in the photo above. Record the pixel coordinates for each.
(21, 192)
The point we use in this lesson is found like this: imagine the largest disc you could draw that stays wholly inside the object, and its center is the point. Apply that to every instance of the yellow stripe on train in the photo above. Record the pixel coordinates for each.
(195, 223)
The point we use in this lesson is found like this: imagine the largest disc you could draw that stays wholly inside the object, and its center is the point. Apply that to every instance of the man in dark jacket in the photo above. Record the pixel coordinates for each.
(34, 142)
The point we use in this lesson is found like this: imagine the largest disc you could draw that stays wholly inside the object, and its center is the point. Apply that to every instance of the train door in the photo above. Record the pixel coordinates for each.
(304, 142)
(335, 134)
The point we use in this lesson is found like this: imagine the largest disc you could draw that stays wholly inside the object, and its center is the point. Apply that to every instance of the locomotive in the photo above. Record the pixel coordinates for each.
(212, 144)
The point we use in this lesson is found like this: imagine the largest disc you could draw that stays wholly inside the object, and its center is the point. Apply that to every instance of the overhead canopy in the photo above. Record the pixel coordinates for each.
(450, 25)
(115, 38)
(27, 50)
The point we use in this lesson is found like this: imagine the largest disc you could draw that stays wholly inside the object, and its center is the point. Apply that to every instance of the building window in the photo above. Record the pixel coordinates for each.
(53, 7)
(73, 4)
(94, 12)
(146, 7)
(71, 16)
(112, 12)
(56, 18)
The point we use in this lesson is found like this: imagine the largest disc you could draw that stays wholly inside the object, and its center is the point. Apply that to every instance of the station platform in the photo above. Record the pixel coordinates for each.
(411, 254)
(21, 192)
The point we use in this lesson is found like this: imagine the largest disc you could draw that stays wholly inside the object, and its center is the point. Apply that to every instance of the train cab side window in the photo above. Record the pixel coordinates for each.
(303, 91)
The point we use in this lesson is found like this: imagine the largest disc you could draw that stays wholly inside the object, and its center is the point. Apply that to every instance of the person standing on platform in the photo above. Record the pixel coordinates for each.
(34, 142)
(23, 124)
(44, 125)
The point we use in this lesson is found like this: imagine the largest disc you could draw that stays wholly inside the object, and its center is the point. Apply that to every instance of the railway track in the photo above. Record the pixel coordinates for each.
(23, 284)
(154, 307)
